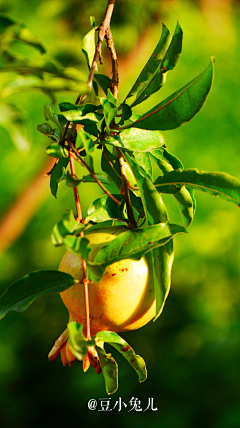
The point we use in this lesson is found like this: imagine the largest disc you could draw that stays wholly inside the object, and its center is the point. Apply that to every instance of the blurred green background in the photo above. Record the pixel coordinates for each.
(193, 350)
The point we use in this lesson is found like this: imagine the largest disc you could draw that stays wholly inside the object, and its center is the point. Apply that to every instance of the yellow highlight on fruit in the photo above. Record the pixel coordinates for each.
(124, 298)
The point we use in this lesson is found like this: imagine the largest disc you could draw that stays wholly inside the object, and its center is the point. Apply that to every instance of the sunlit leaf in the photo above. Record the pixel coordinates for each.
(139, 140)
(77, 341)
(179, 107)
(104, 208)
(215, 183)
(143, 87)
(126, 350)
(56, 151)
(88, 46)
(109, 369)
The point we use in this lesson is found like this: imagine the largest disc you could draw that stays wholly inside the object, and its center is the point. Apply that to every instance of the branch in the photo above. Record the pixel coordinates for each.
(104, 27)
(115, 78)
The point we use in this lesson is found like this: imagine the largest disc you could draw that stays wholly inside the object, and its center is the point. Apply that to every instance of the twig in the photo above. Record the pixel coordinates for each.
(115, 78)
(104, 27)
(132, 222)
(75, 189)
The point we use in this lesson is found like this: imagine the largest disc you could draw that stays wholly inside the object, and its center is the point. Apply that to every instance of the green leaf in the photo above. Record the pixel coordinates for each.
(73, 182)
(77, 341)
(109, 369)
(183, 196)
(137, 140)
(155, 210)
(103, 81)
(88, 46)
(150, 80)
(163, 59)
(126, 113)
(125, 349)
(56, 151)
(170, 158)
(67, 226)
(143, 159)
(80, 113)
(90, 179)
(18, 296)
(104, 208)
(85, 141)
(57, 174)
(160, 259)
(173, 53)
(215, 183)
(45, 128)
(179, 107)
(109, 109)
(110, 165)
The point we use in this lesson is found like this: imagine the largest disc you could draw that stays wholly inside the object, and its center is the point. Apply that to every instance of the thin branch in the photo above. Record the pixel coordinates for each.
(132, 222)
(104, 27)
(115, 78)
(75, 189)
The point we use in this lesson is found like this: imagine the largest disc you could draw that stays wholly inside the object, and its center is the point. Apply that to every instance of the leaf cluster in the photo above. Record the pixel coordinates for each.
(132, 148)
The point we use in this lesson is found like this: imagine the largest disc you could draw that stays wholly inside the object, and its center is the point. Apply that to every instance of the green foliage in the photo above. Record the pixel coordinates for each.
(142, 147)
(18, 296)
(77, 341)
(137, 362)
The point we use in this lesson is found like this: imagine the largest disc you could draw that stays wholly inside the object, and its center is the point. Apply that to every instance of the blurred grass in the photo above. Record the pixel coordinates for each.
(192, 352)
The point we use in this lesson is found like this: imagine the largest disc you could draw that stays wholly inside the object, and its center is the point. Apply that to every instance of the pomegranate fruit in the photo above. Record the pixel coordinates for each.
(124, 298)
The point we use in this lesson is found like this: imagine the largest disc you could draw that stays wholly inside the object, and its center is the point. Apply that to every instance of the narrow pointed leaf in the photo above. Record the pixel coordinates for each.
(109, 369)
(110, 165)
(136, 361)
(18, 296)
(137, 140)
(143, 87)
(57, 174)
(110, 111)
(179, 107)
(215, 183)
(88, 46)
(77, 341)
(160, 259)
(173, 53)
(143, 159)
(184, 199)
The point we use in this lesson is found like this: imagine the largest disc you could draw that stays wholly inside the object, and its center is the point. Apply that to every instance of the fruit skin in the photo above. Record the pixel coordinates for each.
(124, 298)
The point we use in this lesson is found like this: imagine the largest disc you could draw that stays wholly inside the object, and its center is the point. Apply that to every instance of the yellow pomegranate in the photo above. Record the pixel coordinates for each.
(124, 298)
